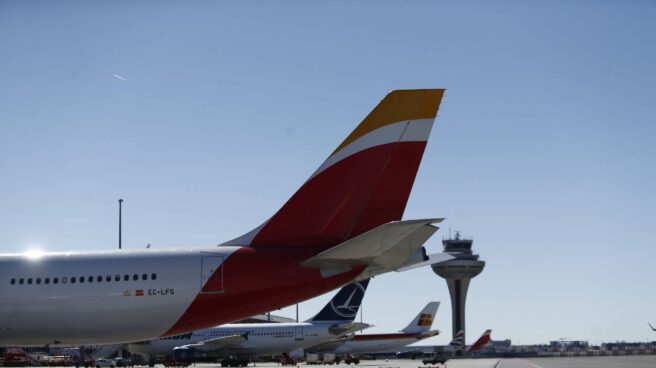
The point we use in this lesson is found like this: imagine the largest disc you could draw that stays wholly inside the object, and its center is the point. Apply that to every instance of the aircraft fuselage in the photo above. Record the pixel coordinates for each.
(124, 296)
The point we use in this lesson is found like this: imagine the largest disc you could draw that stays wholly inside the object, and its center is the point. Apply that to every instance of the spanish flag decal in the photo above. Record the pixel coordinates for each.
(127, 293)
(138, 293)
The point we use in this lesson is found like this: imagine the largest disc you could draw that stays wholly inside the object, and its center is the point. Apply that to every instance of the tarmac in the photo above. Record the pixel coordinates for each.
(635, 361)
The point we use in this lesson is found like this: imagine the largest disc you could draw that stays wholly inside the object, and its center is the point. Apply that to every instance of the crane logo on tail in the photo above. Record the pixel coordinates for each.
(349, 307)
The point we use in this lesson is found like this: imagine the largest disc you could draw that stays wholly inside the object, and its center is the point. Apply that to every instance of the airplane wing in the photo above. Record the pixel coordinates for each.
(346, 328)
(652, 327)
(427, 334)
(218, 343)
(430, 260)
(383, 249)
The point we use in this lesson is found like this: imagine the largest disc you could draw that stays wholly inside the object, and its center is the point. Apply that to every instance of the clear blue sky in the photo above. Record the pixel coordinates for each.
(544, 149)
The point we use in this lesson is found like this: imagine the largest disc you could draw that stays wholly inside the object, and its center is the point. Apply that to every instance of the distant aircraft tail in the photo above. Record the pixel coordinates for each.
(481, 342)
(363, 184)
(424, 320)
(344, 306)
(458, 342)
(652, 327)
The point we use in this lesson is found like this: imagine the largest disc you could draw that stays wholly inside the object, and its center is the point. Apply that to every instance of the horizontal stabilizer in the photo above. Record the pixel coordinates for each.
(347, 328)
(431, 260)
(427, 334)
(386, 247)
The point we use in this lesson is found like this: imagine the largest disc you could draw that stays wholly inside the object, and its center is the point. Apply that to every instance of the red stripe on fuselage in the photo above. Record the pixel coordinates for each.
(383, 337)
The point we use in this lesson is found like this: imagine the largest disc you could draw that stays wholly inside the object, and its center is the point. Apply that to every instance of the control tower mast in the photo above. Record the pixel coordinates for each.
(458, 272)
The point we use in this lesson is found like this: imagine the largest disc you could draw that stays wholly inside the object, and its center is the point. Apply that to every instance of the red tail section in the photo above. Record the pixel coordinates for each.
(363, 184)
(481, 342)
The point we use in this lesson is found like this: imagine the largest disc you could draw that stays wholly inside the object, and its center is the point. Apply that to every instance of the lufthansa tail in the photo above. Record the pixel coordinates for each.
(363, 184)
(424, 320)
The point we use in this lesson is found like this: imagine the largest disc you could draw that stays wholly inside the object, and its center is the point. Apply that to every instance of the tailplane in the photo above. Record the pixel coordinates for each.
(363, 184)
(424, 319)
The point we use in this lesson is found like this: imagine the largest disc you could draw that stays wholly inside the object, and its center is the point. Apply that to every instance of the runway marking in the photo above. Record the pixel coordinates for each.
(497, 364)
(531, 364)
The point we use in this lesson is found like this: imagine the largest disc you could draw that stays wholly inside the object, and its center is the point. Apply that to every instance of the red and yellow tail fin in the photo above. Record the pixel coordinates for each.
(364, 183)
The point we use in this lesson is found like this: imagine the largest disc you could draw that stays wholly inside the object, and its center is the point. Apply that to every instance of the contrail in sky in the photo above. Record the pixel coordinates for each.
(119, 77)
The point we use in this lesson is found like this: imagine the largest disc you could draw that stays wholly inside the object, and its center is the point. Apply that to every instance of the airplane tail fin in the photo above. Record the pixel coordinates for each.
(363, 184)
(458, 342)
(481, 342)
(424, 320)
(344, 306)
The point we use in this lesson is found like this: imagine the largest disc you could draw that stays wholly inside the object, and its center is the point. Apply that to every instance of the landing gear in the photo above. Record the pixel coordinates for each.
(234, 362)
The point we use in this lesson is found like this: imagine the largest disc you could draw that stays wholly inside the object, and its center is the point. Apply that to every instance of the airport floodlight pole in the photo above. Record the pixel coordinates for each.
(458, 272)
(120, 205)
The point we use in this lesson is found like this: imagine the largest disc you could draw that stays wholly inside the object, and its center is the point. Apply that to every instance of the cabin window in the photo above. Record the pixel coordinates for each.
(72, 280)
(47, 280)
(99, 278)
(90, 279)
(153, 276)
(64, 280)
(135, 277)
(144, 277)
(55, 280)
(117, 278)
(29, 281)
(21, 281)
(13, 281)
(82, 280)
(108, 278)
(126, 277)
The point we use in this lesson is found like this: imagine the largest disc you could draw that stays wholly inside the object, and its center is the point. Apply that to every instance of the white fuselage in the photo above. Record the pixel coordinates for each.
(125, 296)
(262, 339)
(97, 298)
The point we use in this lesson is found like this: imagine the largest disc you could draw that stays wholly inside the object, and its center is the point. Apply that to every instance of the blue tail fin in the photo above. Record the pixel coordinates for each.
(344, 305)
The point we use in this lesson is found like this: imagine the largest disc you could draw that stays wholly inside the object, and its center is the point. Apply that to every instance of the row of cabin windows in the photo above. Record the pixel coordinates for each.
(81, 279)
(232, 333)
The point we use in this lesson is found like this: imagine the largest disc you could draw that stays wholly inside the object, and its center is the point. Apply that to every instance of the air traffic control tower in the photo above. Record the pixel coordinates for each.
(458, 272)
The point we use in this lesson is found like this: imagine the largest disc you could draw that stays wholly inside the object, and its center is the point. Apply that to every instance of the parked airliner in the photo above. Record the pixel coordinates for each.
(418, 329)
(238, 342)
(342, 225)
